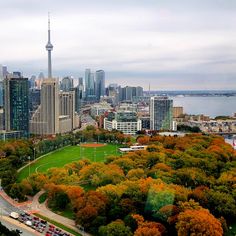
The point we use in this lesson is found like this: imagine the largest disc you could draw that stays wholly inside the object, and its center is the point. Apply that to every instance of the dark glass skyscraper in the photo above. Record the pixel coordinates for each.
(161, 117)
(16, 104)
(99, 84)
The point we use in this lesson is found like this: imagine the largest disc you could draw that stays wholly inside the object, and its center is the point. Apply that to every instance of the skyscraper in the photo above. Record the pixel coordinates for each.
(89, 85)
(67, 84)
(32, 81)
(3, 74)
(161, 117)
(99, 84)
(16, 103)
(45, 120)
(49, 48)
(39, 80)
(80, 81)
(67, 105)
(79, 96)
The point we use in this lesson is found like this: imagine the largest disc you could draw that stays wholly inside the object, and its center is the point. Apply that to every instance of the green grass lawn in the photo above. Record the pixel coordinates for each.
(66, 155)
(43, 197)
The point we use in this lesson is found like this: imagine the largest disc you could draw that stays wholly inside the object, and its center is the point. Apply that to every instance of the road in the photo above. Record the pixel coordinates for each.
(13, 225)
(6, 208)
(7, 205)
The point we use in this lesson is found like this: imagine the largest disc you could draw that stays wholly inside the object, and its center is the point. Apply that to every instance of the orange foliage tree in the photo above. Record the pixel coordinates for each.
(148, 228)
(198, 222)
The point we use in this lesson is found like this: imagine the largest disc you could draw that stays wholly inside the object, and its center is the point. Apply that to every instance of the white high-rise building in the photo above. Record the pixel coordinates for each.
(67, 106)
(45, 120)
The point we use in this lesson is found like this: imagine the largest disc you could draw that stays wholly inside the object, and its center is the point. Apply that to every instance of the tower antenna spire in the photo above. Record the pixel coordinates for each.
(48, 20)
(49, 48)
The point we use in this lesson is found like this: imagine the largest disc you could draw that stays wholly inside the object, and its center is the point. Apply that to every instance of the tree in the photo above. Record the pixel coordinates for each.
(136, 174)
(148, 228)
(16, 192)
(99, 174)
(57, 196)
(88, 207)
(115, 228)
(192, 177)
(143, 140)
(74, 192)
(198, 222)
(6, 232)
(159, 195)
(125, 163)
(221, 204)
(168, 213)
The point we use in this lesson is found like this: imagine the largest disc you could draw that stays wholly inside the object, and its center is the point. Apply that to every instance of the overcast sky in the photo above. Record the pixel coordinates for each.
(173, 45)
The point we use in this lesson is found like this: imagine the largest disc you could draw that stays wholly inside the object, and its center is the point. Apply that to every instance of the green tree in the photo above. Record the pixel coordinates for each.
(115, 228)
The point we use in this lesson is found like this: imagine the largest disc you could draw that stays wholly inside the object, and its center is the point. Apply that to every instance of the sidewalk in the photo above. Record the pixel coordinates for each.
(43, 210)
(12, 202)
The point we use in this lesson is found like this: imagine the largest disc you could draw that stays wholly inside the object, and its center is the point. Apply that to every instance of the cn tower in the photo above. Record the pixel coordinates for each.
(49, 48)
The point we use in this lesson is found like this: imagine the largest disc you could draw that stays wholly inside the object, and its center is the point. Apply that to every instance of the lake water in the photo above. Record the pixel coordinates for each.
(209, 105)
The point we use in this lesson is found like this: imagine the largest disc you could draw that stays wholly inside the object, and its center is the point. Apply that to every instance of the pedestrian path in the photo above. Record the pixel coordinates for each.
(12, 201)
(43, 210)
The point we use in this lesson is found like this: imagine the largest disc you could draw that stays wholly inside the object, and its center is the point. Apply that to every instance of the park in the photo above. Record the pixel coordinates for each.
(94, 152)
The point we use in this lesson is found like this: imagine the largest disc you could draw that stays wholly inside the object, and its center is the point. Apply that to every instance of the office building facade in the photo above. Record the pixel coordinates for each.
(67, 84)
(45, 120)
(67, 106)
(161, 113)
(79, 97)
(99, 84)
(16, 103)
(89, 85)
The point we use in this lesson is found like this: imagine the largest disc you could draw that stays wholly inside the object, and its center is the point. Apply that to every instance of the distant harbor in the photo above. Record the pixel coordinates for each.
(209, 103)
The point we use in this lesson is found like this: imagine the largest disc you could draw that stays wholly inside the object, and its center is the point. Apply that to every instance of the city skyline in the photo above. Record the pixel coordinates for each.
(171, 46)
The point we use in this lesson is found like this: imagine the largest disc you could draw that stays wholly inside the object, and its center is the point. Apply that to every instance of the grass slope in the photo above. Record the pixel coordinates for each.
(66, 155)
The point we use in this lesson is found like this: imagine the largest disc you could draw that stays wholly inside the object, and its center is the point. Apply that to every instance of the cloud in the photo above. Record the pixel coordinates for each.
(125, 38)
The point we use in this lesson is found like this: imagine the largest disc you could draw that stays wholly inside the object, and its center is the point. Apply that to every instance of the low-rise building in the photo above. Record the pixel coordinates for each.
(124, 121)
(98, 109)
(178, 111)
(6, 135)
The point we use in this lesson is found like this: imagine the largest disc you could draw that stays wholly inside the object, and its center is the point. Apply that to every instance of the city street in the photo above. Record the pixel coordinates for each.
(13, 225)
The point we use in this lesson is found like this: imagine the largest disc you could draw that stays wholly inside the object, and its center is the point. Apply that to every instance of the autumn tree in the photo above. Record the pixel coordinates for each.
(57, 196)
(221, 204)
(148, 228)
(98, 174)
(136, 174)
(115, 228)
(198, 222)
(89, 207)
(143, 140)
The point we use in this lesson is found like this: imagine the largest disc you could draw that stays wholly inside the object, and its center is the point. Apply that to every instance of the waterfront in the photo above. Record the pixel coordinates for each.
(208, 105)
